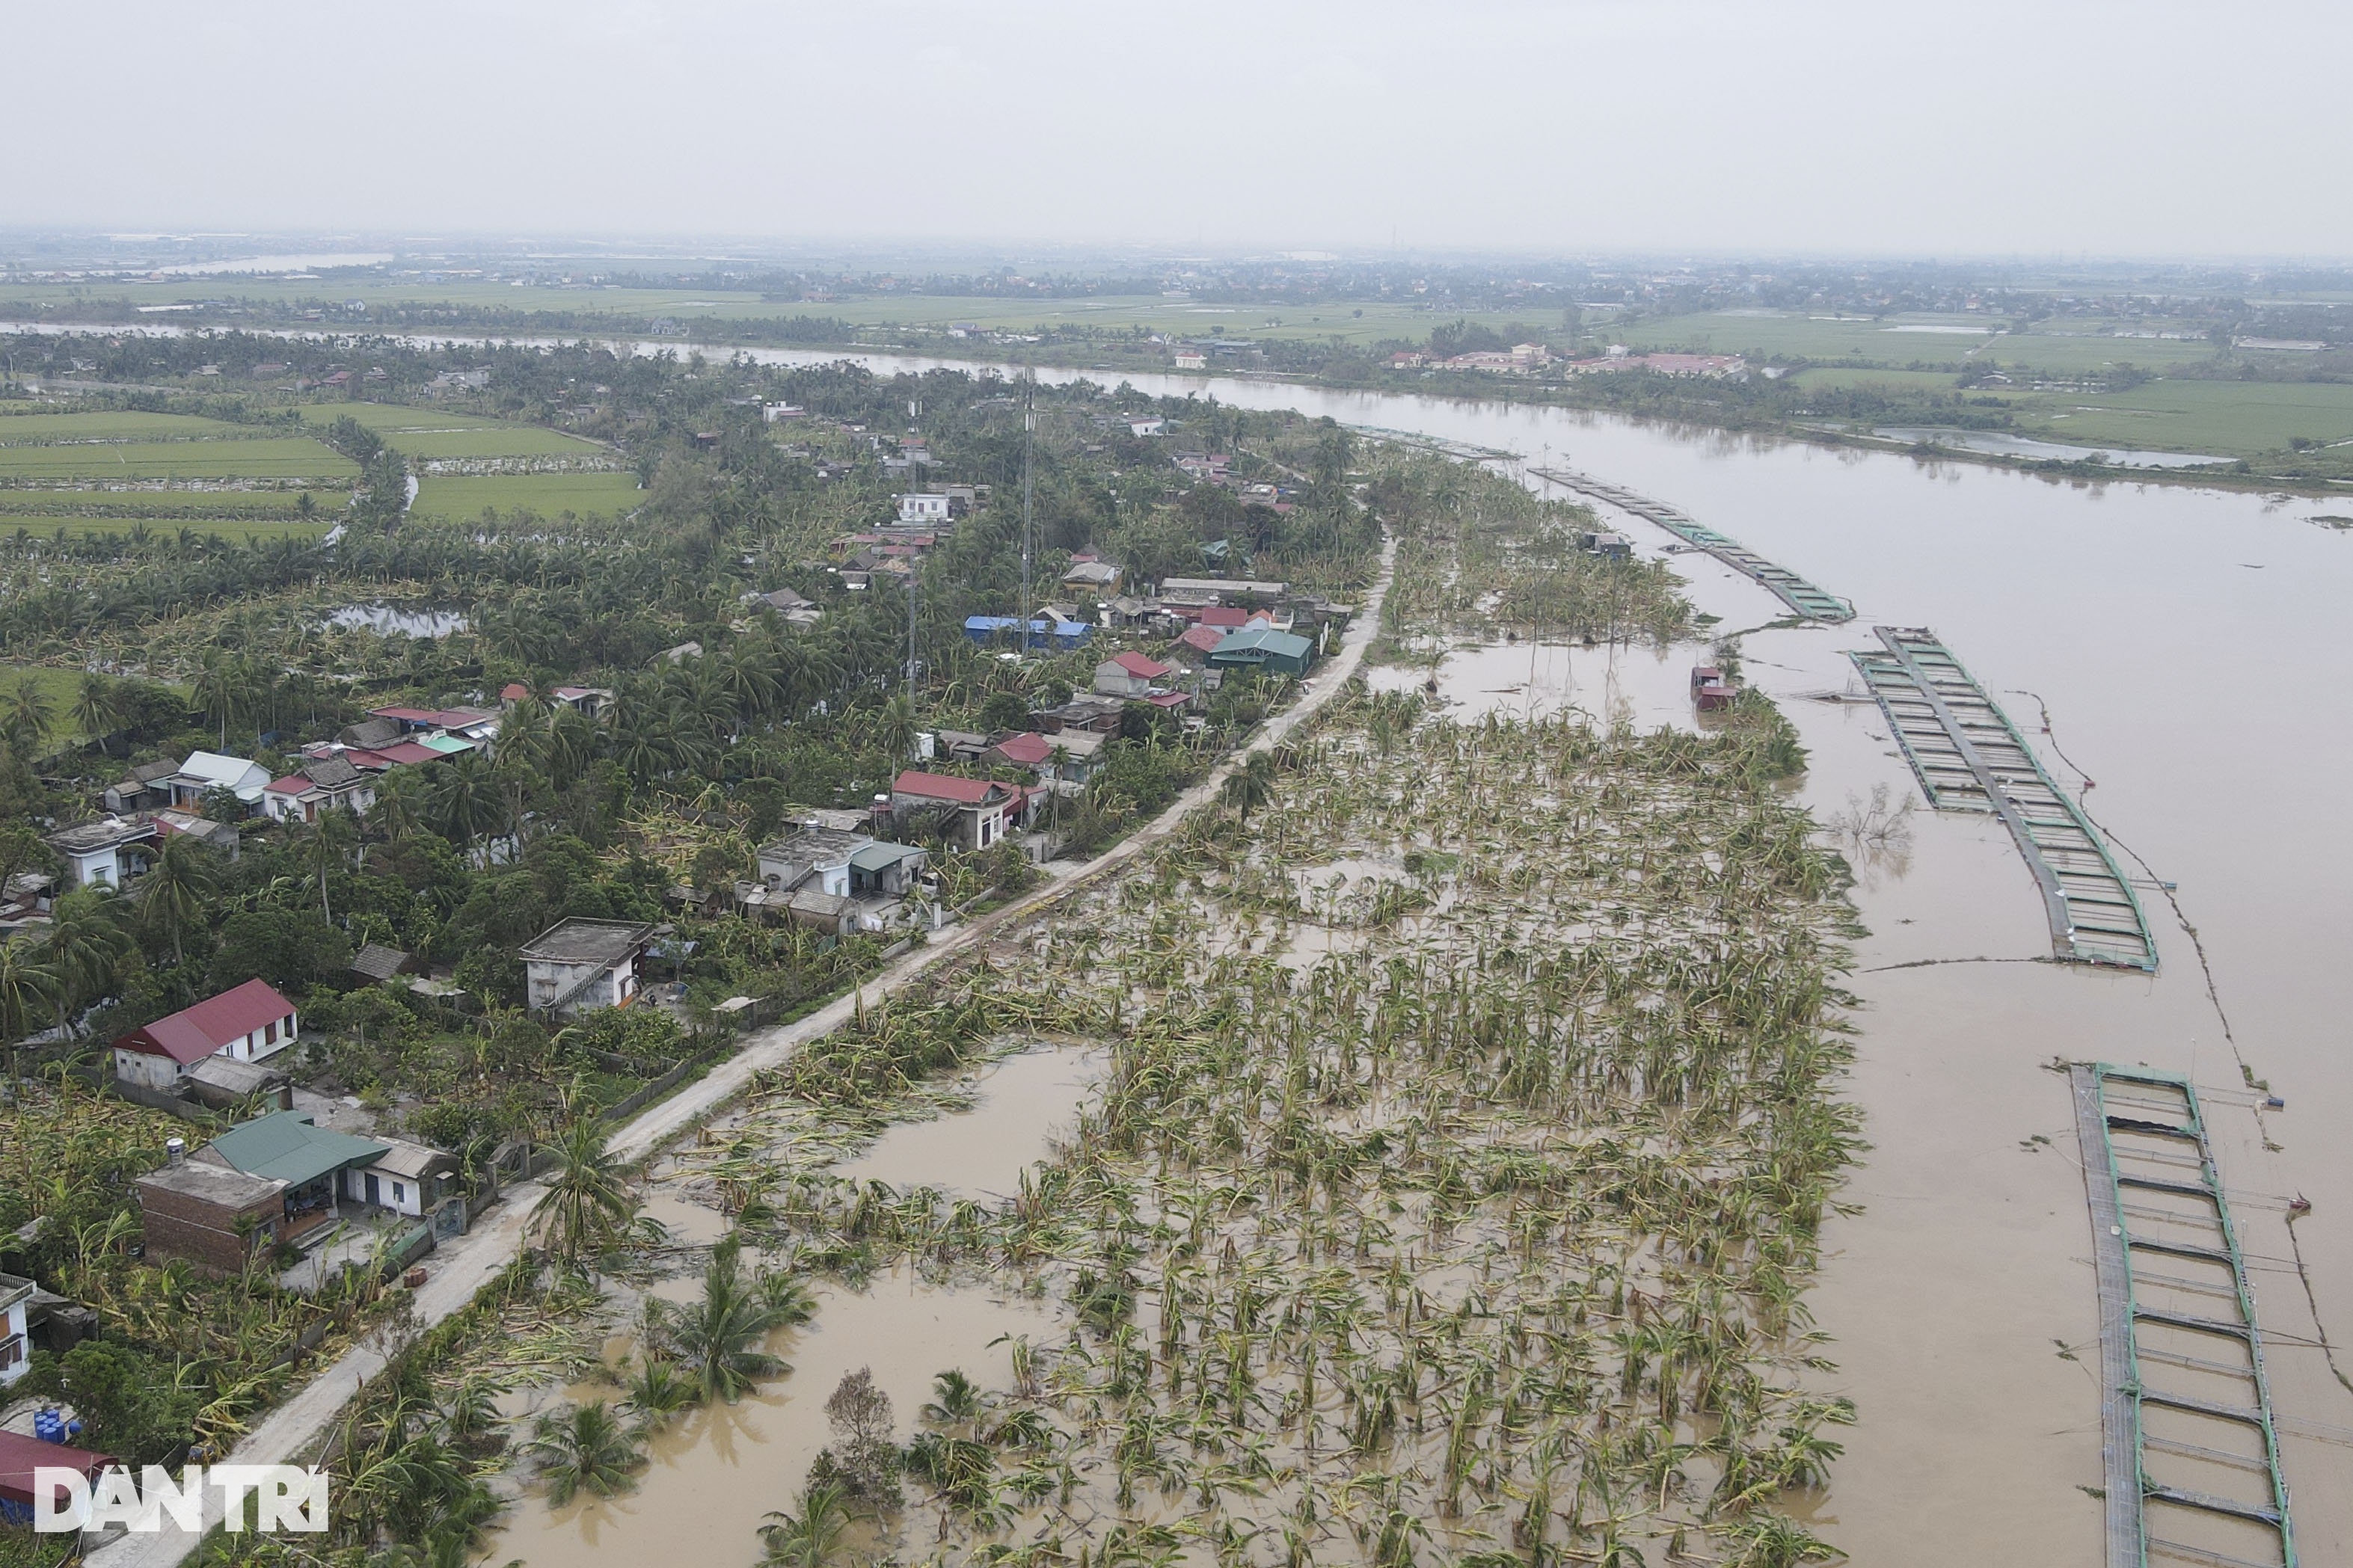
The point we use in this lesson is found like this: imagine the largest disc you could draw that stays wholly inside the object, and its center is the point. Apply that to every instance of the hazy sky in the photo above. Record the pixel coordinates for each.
(2036, 126)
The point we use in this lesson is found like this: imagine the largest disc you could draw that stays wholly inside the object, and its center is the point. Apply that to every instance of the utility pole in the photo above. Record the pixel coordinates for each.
(909, 687)
(1028, 496)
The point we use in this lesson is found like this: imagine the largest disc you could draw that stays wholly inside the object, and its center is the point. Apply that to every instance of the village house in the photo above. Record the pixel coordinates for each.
(20, 1455)
(209, 1214)
(108, 853)
(1092, 579)
(1129, 675)
(972, 811)
(143, 788)
(224, 1084)
(277, 1178)
(1079, 751)
(817, 857)
(1142, 424)
(924, 507)
(1192, 359)
(318, 785)
(211, 770)
(1058, 634)
(580, 965)
(246, 1023)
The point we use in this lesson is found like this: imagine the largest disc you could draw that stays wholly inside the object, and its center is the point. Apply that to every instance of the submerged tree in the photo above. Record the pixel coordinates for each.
(584, 1447)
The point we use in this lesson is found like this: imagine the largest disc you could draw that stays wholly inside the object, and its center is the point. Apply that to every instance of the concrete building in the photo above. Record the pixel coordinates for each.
(209, 1214)
(979, 805)
(580, 965)
(1129, 675)
(923, 509)
(105, 854)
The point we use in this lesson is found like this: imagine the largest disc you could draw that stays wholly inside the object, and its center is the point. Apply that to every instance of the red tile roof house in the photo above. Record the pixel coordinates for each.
(244, 1025)
(1129, 675)
(980, 804)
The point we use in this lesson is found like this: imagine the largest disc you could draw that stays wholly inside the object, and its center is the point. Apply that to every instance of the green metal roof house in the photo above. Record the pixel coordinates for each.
(322, 1167)
(1263, 648)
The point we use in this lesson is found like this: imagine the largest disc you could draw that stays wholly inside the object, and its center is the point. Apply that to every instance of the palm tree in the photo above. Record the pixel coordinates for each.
(173, 896)
(1251, 785)
(894, 730)
(27, 715)
(97, 707)
(812, 1538)
(717, 1337)
(85, 943)
(327, 847)
(588, 1201)
(582, 1448)
(26, 983)
(465, 799)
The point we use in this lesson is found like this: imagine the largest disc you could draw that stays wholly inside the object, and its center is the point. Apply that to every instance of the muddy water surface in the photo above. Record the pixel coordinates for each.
(1026, 1104)
(717, 1472)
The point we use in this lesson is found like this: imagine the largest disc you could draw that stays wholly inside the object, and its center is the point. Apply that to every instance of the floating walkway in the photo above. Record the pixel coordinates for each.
(1968, 757)
(1814, 604)
(2192, 1456)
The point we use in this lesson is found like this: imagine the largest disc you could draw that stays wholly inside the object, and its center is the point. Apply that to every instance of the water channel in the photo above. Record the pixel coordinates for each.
(2179, 639)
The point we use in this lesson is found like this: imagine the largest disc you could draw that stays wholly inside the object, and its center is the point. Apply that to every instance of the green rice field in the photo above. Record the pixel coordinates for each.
(462, 498)
(425, 433)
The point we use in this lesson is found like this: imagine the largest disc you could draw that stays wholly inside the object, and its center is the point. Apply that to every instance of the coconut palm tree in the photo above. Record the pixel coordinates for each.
(86, 944)
(27, 715)
(716, 1338)
(97, 707)
(584, 1447)
(587, 1202)
(27, 984)
(812, 1538)
(173, 896)
(464, 803)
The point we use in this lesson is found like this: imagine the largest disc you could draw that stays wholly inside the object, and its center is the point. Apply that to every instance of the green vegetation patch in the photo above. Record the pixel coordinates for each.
(264, 458)
(2234, 418)
(113, 425)
(461, 500)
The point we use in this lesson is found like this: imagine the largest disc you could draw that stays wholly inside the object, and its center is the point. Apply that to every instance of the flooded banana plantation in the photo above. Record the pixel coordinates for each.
(1569, 1109)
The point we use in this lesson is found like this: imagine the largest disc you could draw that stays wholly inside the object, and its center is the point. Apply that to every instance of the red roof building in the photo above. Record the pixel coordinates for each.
(981, 805)
(20, 1455)
(1223, 615)
(1202, 640)
(1135, 664)
(421, 718)
(947, 786)
(244, 1024)
(1026, 750)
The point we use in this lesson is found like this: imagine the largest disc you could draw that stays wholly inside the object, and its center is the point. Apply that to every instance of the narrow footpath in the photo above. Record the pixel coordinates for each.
(293, 1431)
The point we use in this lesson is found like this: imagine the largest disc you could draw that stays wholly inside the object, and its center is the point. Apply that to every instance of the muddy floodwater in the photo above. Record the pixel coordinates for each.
(1025, 1103)
(2185, 643)
(719, 1469)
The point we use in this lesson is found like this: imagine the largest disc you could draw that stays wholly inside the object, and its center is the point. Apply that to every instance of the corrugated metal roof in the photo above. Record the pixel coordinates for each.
(287, 1146)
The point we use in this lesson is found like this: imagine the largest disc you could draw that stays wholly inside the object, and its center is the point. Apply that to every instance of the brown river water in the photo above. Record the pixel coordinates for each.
(2182, 640)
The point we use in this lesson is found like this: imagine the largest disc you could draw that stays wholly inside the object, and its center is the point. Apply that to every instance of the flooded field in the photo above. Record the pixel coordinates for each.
(2179, 640)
